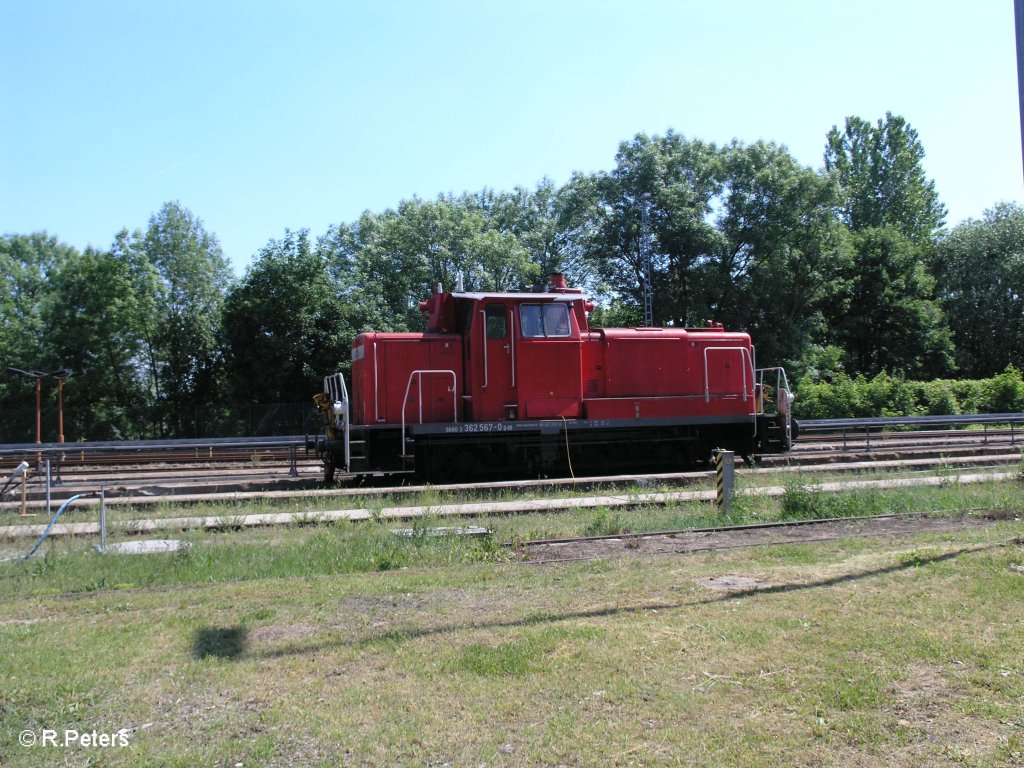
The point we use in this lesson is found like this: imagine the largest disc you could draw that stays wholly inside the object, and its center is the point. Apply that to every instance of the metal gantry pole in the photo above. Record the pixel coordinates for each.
(645, 255)
(39, 422)
(1018, 13)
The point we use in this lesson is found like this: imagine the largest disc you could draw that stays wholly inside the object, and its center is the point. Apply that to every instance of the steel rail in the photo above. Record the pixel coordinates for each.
(881, 422)
(890, 428)
(711, 529)
(287, 441)
(130, 446)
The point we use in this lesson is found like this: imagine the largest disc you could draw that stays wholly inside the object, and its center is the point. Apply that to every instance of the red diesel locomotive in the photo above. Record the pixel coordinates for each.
(518, 384)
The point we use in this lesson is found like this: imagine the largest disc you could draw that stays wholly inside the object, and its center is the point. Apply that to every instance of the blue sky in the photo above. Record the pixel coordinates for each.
(262, 116)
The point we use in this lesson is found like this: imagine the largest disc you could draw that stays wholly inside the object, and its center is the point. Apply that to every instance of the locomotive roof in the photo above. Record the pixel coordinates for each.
(478, 295)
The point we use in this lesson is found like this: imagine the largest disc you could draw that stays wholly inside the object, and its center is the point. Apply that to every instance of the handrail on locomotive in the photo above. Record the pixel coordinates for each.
(334, 406)
(418, 375)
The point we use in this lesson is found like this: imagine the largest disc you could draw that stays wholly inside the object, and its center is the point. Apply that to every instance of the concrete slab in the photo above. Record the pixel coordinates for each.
(466, 530)
(146, 547)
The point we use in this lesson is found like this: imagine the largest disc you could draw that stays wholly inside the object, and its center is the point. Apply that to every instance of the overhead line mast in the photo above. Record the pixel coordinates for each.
(645, 255)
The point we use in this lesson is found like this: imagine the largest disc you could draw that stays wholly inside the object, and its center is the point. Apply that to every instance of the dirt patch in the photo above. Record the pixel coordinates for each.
(926, 703)
(1004, 514)
(925, 709)
(702, 541)
(921, 697)
(732, 582)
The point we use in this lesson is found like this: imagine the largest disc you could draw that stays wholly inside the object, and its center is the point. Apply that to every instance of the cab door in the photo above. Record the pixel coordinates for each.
(492, 343)
(548, 361)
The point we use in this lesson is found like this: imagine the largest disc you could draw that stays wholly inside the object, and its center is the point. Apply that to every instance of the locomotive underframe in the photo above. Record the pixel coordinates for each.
(508, 449)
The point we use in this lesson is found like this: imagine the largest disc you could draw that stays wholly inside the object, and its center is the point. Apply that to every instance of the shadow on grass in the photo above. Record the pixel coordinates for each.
(403, 635)
(912, 561)
(219, 642)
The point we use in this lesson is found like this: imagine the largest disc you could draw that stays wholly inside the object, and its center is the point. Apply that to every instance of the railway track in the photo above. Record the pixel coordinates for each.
(146, 477)
(243, 485)
(817, 437)
(612, 499)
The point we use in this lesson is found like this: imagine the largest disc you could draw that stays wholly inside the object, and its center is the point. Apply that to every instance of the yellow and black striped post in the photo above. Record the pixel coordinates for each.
(725, 465)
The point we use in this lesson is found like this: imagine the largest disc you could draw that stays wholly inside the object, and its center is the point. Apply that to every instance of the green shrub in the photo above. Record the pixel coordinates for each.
(800, 503)
(885, 395)
(1003, 393)
(936, 398)
(968, 392)
(838, 399)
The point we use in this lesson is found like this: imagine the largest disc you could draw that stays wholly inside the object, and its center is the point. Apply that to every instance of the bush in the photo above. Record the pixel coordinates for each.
(968, 393)
(839, 399)
(936, 398)
(800, 503)
(886, 395)
(1003, 393)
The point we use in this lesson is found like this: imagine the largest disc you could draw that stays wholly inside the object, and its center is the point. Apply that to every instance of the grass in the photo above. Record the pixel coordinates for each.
(858, 652)
(68, 567)
(323, 549)
(345, 644)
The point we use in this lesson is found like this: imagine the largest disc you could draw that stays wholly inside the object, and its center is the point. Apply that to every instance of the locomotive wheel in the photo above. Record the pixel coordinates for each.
(329, 468)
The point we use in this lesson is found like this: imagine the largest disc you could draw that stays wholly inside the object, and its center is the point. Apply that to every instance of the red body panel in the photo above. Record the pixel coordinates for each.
(502, 371)
(382, 364)
(637, 373)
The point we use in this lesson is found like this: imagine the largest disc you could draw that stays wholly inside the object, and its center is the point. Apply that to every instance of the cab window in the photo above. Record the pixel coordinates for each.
(497, 325)
(544, 320)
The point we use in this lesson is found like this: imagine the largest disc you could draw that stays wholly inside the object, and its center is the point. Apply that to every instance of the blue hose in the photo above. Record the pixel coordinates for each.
(45, 533)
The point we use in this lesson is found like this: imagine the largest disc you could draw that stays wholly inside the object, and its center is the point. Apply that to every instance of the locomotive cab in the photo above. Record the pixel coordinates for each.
(521, 351)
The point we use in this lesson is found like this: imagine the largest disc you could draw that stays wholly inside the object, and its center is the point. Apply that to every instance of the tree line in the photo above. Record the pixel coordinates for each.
(844, 271)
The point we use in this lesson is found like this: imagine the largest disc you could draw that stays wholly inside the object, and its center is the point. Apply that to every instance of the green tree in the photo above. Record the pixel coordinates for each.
(777, 275)
(879, 168)
(399, 256)
(886, 318)
(28, 264)
(286, 324)
(193, 278)
(103, 301)
(684, 179)
(980, 271)
(548, 223)
(740, 234)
